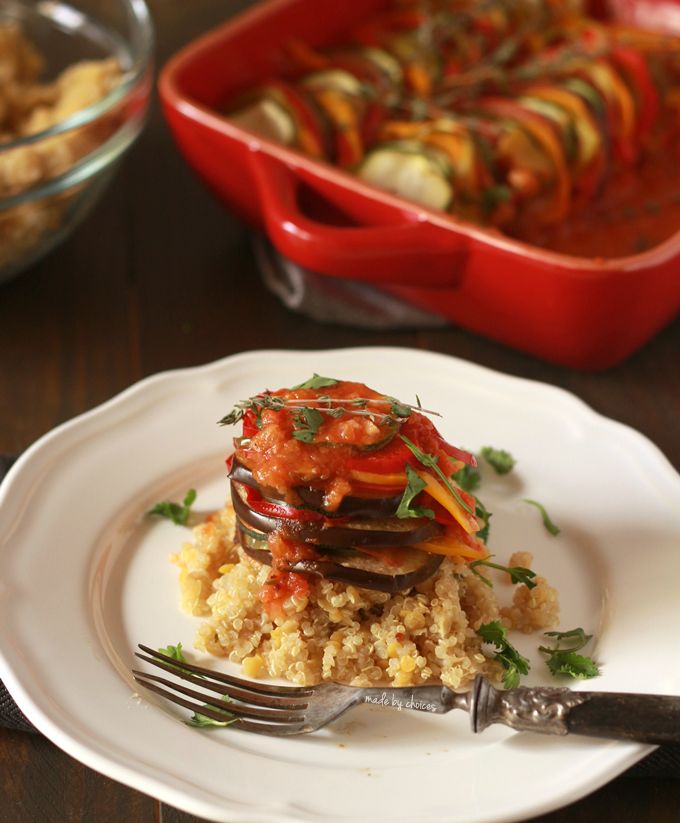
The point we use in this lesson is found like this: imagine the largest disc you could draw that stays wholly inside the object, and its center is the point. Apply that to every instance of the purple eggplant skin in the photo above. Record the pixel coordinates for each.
(378, 507)
(363, 579)
(409, 532)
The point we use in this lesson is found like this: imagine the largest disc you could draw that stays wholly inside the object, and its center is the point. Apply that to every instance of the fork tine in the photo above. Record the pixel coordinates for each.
(247, 685)
(275, 729)
(240, 709)
(224, 686)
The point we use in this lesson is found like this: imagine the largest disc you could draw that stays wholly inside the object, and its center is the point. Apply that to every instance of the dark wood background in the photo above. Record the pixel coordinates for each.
(160, 276)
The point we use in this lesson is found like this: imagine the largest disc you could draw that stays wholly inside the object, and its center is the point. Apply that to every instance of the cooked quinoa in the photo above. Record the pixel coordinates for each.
(344, 633)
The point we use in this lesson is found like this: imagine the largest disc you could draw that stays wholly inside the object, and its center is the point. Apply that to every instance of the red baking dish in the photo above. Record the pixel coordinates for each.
(580, 312)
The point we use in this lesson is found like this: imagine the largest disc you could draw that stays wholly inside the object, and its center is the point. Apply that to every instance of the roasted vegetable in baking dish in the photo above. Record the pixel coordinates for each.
(505, 114)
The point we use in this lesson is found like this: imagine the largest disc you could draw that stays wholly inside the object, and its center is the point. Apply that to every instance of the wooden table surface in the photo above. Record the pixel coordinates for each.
(160, 276)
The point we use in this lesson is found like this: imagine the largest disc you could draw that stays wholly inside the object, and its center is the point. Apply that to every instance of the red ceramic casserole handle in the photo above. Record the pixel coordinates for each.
(413, 252)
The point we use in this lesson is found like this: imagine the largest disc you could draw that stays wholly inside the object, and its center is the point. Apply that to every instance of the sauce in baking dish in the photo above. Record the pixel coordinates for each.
(637, 212)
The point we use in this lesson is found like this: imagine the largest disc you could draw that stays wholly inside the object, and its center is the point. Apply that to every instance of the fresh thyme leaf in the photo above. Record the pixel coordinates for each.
(566, 660)
(178, 513)
(332, 406)
(316, 382)
(413, 488)
(431, 461)
(500, 460)
(547, 522)
(468, 478)
(518, 574)
(507, 655)
(234, 416)
(398, 409)
(202, 721)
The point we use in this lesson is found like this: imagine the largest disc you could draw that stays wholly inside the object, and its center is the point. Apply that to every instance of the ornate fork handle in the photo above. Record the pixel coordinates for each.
(645, 718)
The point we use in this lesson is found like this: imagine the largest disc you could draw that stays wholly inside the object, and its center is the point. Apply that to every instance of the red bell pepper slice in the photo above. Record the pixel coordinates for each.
(281, 511)
(389, 460)
(310, 137)
(636, 71)
(250, 427)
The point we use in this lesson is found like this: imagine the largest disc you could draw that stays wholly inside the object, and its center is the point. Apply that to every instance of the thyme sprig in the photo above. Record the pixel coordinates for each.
(331, 406)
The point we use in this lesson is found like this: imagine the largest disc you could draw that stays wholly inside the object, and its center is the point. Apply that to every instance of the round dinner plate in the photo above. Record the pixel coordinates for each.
(85, 576)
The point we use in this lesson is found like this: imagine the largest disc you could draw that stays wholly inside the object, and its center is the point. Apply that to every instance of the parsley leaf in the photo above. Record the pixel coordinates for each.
(202, 721)
(565, 660)
(306, 424)
(468, 478)
(483, 515)
(413, 488)
(175, 652)
(316, 381)
(178, 513)
(430, 461)
(507, 655)
(518, 574)
(500, 460)
(547, 522)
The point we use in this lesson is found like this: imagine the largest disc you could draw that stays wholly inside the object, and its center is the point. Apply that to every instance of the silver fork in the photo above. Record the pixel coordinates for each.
(290, 710)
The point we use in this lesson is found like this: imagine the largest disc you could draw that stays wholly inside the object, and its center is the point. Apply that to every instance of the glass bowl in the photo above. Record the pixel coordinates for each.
(77, 99)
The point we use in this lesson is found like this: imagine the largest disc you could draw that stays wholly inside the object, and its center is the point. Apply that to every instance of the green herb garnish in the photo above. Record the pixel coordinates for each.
(399, 409)
(331, 406)
(565, 660)
(468, 478)
(178, 513)
(494, 196)
(483, 515)
(202, 721)
(518, 574)
(431, 461)
(306, 424)
(414, 486)
(500, 460)
(547, 522)
(507, 655)
(175, 652)
(316, 381)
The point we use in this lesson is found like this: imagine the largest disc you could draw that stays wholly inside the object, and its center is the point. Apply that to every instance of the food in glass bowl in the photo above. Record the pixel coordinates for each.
(73, 93)
(350, 549)
(531, 118)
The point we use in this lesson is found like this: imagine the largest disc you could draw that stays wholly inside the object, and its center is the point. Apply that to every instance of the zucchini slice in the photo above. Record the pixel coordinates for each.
(268, 119)
(337, 80)
(412, 170)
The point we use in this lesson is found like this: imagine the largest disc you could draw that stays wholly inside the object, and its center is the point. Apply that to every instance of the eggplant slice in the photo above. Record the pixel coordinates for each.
(368, 532)
(355, 576)
(311, 498)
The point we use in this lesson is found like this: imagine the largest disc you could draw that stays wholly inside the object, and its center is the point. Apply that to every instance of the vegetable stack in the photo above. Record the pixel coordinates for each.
(505, 114)
(332, 479)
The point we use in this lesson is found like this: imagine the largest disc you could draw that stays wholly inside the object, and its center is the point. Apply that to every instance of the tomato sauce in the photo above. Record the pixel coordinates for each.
(345, 438)
(637, 210)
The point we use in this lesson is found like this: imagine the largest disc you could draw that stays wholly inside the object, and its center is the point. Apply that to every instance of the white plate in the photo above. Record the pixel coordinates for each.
(85, 577)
